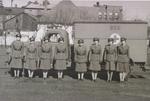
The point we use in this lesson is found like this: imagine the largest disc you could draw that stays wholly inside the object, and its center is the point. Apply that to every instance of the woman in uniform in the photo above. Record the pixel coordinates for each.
(123, 59)
(31, 57)
(81, 59)
(110, 52)
(95, 58)
(45, 55)
(16, 56)
(60, 58)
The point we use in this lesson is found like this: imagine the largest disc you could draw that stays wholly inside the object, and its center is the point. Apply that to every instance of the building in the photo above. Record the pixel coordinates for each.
(134, 31)
(1, 3)
(7, 13)
(67, 12)
(21, 22)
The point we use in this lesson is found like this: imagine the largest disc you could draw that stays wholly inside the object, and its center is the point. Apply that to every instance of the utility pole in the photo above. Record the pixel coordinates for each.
(12, 3)
(106, 9)
(4, 33)
(29, 3)
(45, 4)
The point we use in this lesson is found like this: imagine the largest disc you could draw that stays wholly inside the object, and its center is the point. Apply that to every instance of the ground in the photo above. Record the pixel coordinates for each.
(136, 89)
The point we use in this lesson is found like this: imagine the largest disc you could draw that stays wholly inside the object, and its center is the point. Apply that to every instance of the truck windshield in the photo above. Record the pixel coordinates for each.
(54, 37)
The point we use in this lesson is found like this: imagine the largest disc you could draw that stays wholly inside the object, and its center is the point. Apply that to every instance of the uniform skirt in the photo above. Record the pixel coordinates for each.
(95, 66)
(81, 67)
(123, 67)
(60, 65)
(45, 64)
(16, 63)
(110, 66)
(31, 64)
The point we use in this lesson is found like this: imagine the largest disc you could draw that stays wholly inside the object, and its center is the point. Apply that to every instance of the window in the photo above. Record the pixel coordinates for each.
(54, 37)
(116, 16)
(99, 15)
(111, 16)
(9, 16)
(105, 15)
(114, 27)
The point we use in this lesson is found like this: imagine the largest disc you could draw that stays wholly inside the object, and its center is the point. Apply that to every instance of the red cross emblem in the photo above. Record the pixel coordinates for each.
(116, 38)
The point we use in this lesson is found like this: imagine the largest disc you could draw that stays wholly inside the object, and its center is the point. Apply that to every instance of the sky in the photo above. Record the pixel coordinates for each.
(139, 9)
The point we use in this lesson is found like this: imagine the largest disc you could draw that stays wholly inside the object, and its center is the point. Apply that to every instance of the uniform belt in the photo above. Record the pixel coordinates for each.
(61, 52)
(110, 54)
(17, 49)
(123, 54)
(81, 55)
(32, 52)
(46, 52)
(95, 53)
(17, 57)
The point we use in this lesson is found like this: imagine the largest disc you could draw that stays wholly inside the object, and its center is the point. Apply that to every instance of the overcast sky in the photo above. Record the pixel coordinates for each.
(139, 9)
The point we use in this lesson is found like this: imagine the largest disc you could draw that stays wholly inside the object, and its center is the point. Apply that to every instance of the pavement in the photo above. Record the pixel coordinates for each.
(137, 88)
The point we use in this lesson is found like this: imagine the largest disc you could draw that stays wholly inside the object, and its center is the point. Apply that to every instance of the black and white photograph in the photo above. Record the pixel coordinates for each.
(74, 50)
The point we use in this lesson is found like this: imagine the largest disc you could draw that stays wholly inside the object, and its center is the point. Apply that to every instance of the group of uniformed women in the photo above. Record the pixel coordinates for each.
(116, 59)
(39, 56)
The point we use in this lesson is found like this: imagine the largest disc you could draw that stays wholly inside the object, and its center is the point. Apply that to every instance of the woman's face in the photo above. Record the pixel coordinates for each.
(18, 38)
(110, 42)
(46, 40)
(123, 42)
(61, 41)
(31, 41)
(80, 44)
(96, 42)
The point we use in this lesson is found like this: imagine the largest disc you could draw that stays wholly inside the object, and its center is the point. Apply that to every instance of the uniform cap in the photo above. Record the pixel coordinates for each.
(80, 41)
(32, 38)
(18, 35)
(123, 39)
(110, 39)
(60, 39)
(95, 39)
(46, 38)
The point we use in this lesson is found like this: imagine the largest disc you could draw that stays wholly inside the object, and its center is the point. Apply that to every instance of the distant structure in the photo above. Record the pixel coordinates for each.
(65, 12)
(1, 3)
(14, 15)
(21, 22)
(66, 9)
(109, 12)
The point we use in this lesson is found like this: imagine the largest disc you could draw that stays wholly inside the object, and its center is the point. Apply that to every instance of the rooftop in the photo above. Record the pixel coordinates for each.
(10, 11)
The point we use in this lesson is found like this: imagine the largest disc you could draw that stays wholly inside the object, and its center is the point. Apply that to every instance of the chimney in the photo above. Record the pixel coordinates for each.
(97, 4)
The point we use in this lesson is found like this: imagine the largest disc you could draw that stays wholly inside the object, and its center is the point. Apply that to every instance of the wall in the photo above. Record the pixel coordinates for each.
(135, 33)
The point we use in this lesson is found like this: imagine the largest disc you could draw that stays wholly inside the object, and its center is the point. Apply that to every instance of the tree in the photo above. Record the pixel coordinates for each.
(65, 13)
